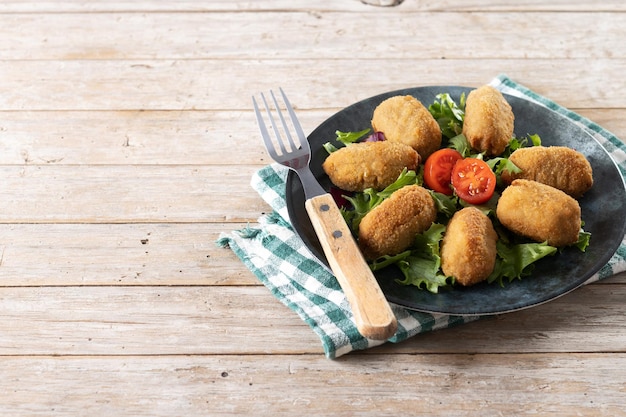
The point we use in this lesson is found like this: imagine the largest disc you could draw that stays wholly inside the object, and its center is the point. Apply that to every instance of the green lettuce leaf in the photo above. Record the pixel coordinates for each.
(514, 260)
(422, 268)
(460, 144)
(500, 164)
(350, 137)
(446, 204)
(583, 240)
(365, 201)
(448, 114)
(345, 138)
(329, 147)
(387, 260)
(515, 143)
(423, 273)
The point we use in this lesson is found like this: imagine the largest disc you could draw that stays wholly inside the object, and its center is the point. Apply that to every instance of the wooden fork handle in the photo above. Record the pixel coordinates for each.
(372, 313)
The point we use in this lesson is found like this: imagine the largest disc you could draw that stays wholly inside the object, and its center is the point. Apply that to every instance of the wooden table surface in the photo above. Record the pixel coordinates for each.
(127, 142)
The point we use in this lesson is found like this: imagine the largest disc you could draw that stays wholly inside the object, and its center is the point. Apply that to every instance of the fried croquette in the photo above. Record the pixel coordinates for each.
(489, 119)
(391, 227)
(539, 212)
(468, 250)
(369, 164)
(404, 119)
(558, 166)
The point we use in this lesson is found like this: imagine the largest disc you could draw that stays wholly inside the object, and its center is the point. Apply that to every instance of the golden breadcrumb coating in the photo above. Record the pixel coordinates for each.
(391, 227)
(539, 212)
(468, 250)
(369, 164)
(558, 166)
(488, 124)
(404, 119)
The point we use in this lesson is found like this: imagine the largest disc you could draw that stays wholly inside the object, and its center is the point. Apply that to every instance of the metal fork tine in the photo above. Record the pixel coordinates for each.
(263, 128)
(296, 123)
(284, 123)
(277, 134)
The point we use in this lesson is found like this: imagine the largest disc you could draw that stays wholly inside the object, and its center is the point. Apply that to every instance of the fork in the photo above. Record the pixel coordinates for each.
(373, 316)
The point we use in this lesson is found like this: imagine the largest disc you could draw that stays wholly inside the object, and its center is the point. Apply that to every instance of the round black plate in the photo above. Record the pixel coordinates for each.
(602, 210)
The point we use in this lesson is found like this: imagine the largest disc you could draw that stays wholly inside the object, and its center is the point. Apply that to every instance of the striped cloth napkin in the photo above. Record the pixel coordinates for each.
(281, 261)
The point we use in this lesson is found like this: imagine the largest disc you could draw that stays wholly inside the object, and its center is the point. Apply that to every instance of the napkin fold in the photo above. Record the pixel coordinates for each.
(282, 262)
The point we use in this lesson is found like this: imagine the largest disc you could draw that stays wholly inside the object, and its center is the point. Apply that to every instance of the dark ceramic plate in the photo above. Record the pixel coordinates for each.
(602, 210)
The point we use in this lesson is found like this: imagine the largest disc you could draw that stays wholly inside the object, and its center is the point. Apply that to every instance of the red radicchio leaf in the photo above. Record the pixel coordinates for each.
(375, 137)
(337, 194)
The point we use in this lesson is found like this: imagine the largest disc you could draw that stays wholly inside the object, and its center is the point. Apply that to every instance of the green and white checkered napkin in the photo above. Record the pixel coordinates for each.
(279, 258)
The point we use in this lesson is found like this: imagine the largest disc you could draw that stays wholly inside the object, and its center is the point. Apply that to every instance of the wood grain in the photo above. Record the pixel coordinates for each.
(251, 385)
(127, 144)
(478, 35)
(216, 320)
(130, 254)
(98, 6)
(142, 84)
(127, 193)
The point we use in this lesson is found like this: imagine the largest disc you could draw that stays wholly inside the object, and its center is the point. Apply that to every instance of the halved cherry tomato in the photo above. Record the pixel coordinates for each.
(473, 180)
(438, 169)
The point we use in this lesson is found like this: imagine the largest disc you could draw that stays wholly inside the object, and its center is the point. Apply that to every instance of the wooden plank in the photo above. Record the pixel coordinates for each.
(135, 137)
(198, 84)
(128, 194)
(213, 320)
(118, 254)
(99, 6)
(325, 35)
(162, 137)
(382, 385)
(149, 321)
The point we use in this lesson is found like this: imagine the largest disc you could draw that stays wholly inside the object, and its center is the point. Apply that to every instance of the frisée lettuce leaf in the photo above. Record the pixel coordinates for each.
(515, 261)
(350, 137)
(583, 240)
(448, 114)
(345, 138)
(368, 199)
(421, 266)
